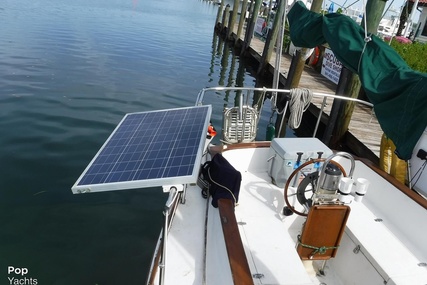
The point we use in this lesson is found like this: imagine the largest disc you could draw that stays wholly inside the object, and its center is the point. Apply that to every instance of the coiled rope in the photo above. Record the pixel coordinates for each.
(299, 102)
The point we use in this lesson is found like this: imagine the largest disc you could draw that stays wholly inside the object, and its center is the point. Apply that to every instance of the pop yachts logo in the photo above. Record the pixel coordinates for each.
(17, 276)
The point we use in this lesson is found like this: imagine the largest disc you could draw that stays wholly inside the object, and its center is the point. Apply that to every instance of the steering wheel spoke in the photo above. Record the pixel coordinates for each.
(298, 196)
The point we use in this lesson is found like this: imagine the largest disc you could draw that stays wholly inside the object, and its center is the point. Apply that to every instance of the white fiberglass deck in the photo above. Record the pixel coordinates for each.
(391, 251)
(268, 238)
(388, 227)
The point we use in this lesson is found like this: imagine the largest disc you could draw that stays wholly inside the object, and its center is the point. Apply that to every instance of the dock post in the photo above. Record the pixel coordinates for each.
(315, 7)
(219, 14)
(233, 19)
(242, 20)
(337, 106)
(251, 26)
(374, 13)
(271, 40)
(225, 17)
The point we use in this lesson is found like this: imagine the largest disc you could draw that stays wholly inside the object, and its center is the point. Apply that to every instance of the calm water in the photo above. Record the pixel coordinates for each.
(69, 71)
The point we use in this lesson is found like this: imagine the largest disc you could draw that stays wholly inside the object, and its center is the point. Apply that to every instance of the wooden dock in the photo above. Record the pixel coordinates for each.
(364, 134)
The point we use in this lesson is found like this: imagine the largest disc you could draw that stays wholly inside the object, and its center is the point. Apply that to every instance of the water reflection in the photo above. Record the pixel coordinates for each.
(234, 71)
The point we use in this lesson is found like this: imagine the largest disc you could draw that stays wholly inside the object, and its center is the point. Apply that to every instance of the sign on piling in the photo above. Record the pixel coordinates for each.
(331, 66)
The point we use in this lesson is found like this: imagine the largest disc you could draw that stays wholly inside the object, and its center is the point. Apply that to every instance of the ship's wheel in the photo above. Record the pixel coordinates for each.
(306, 187)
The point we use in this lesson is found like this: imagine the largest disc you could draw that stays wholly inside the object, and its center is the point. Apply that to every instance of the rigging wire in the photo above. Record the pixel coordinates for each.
(365, 22)
(351, 4)
(386, 10)
(345, 2)
(367, 36)
(419, 173)
(279, 43)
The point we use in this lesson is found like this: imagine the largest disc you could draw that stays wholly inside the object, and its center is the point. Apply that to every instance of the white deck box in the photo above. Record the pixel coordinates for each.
(284, 154)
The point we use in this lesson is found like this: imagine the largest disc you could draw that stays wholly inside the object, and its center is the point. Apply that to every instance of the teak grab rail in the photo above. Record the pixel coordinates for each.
(235, 251)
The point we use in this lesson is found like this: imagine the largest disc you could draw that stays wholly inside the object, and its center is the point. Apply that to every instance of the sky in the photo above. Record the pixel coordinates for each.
(359, 3)
(396, 4)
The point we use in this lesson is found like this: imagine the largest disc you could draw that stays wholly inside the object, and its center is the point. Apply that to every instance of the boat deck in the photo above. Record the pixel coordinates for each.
(269, 242)
(380, 245)
(381, 235)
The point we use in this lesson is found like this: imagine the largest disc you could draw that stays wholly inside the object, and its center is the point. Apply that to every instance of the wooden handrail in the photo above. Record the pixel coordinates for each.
(235, 251)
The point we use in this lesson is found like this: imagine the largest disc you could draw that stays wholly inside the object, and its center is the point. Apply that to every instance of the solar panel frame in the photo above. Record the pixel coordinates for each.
(148, 149)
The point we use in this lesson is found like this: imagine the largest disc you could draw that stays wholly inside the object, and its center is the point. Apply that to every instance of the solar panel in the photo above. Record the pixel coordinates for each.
(148, 149)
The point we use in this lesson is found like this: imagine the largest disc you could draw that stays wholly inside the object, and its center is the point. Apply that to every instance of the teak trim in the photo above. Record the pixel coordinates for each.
(236, 254)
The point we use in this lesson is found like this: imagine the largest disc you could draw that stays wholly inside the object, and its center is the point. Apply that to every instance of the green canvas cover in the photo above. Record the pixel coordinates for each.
(399, 94)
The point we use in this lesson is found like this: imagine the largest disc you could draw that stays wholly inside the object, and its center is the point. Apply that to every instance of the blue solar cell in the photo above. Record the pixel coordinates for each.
(149, 149)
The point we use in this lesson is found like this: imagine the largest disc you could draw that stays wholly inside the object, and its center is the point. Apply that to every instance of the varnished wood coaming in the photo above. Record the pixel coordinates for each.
(236, 254)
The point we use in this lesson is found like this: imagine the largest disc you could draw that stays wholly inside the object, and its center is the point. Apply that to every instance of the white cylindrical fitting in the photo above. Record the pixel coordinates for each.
(362, 185)
(345, 185)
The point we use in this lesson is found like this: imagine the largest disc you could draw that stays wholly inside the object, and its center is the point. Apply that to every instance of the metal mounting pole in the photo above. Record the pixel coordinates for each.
(173, 194)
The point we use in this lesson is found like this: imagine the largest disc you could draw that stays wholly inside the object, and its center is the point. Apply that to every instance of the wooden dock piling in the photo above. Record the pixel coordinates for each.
(219, 14)
(251, 26)
(272, 38)
(242, 20)
(225, 18)
(233, 18)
